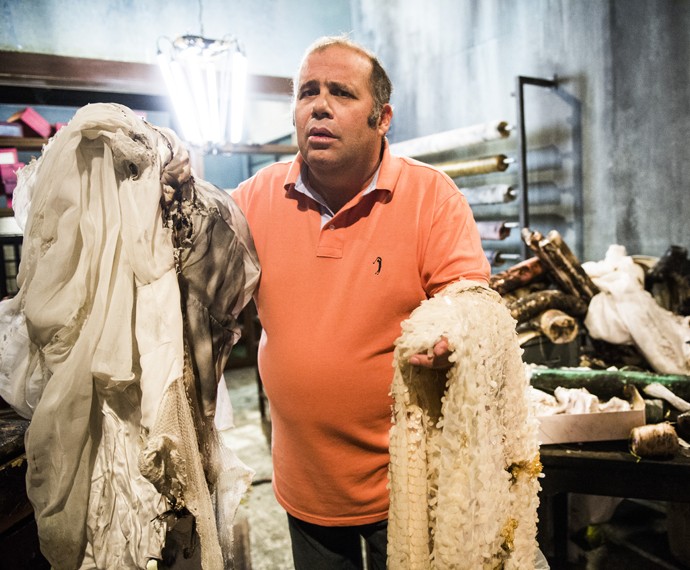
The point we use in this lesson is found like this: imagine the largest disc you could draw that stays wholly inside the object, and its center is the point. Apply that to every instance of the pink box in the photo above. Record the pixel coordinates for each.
(8, 180)
(8, 175)
(34, 124)
(58, 126)
(8, 156)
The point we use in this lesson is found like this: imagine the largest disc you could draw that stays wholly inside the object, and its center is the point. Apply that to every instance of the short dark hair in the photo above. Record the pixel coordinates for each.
(379, 82)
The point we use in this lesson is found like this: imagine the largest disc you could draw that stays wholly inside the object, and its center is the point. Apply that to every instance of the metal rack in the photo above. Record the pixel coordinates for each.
(523, 182)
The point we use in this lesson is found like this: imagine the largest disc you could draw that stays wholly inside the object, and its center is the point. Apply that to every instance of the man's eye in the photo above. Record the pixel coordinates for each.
(307, 93)
(342, 93)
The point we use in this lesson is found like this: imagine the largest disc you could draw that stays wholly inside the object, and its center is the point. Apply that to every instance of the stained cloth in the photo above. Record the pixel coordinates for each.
(330, 301)
(93, 345)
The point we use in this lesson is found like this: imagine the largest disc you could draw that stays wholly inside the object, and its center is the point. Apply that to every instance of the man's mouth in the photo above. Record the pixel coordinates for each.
(320, 134)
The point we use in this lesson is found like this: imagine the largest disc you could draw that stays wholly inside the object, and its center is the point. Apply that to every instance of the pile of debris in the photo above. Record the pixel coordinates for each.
(626, 312)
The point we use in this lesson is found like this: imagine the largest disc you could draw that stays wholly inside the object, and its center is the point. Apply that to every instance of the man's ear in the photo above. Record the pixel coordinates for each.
(385, 119)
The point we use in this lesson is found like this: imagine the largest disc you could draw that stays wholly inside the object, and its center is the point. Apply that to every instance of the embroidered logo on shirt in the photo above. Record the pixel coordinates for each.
(379, 261)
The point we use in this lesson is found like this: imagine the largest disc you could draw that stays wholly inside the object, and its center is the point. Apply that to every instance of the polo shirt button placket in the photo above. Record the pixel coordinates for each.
(330, 242)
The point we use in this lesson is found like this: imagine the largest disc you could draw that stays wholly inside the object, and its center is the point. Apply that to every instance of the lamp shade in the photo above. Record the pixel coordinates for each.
(206, 80)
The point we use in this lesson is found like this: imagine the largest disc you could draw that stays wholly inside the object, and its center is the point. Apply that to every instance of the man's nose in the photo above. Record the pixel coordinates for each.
(321, 107)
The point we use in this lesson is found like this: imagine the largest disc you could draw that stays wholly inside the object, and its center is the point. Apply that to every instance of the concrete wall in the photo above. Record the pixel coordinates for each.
(617, 173)
(274, 32)
(622, 63)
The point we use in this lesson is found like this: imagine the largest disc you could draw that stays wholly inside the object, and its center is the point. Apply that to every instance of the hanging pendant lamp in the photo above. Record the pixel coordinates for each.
(206, 80)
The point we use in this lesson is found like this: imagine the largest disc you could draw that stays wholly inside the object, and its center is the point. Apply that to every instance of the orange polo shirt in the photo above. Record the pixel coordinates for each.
(331, 300)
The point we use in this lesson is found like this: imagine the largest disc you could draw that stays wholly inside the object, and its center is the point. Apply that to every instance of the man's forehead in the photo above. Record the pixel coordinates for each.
(335, 63)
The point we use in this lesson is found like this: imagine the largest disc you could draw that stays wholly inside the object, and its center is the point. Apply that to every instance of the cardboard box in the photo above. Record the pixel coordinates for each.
(34, 124)
(598, 426)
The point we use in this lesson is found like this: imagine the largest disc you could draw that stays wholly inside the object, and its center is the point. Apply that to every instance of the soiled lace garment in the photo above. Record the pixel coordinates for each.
(95, 347)
(464, 449)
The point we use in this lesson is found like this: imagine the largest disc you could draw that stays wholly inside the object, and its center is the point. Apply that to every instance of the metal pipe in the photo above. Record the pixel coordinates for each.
(474, 166)
(523, 190)
(456, 138)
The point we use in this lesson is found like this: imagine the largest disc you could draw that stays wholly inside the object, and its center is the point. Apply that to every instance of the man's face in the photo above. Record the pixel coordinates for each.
(332, 105)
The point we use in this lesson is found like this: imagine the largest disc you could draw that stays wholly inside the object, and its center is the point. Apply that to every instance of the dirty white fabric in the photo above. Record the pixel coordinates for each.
(623, 312)
(93, 342)
(91, 240)
(464, 449)
(573, 401)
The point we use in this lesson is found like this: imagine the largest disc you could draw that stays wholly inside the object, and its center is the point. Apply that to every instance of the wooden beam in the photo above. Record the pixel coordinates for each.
(22, 143)
(47, 71)
(276, 149)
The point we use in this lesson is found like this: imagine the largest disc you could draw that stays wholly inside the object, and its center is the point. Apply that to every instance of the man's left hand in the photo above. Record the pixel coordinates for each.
(436, 359)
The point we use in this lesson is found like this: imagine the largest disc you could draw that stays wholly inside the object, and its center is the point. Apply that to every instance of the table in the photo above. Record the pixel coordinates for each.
(608, 469)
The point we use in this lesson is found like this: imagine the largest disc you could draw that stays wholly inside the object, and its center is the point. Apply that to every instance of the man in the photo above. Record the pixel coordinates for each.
(350, 239)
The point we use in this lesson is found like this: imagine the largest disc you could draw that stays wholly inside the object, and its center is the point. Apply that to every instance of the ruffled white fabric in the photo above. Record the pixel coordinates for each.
(464, 449)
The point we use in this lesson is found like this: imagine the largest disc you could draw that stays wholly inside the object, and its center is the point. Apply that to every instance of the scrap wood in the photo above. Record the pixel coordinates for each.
(563, 266)
(517, 276)
(557, 326)
(533, 304)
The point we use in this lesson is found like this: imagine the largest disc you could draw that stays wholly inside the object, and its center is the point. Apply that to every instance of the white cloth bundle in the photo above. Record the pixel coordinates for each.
(464, 449)
(623, 312)
(93, 351)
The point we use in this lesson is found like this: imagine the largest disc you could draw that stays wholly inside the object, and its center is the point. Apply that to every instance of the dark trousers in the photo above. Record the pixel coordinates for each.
(316, 547)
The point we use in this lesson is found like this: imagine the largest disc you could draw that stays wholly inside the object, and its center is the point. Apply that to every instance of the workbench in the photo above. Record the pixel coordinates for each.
(605, 469)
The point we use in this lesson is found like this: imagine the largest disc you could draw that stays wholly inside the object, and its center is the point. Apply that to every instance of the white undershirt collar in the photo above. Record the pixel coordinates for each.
(326, 212)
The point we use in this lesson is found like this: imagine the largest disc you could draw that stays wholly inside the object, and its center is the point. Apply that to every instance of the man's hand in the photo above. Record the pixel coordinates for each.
(436, 359)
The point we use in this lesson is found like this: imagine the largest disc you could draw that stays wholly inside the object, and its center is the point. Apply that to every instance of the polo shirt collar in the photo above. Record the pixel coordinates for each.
(385, 178)
(390, 169)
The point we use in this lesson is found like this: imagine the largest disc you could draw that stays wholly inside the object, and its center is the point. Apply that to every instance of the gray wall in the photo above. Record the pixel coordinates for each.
(274, 32)
(624, 63)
